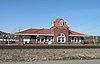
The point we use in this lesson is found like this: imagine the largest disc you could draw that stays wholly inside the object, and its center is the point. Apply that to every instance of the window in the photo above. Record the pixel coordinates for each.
(58, 39)
(38, 39)
(61, 23)
(25, 42)
(49, 38)
(41, 39)
(76, 39)
(61, 38)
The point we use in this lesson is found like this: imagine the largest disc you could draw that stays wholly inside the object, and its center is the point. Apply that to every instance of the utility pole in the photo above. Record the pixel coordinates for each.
(93, 40)
(8, 38)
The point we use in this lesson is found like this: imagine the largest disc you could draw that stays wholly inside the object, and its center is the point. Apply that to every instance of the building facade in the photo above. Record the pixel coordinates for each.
(59, 33)
(7, 38)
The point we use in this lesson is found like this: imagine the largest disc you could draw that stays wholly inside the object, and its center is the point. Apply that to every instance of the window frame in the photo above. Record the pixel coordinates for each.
(61, 23)
(61, 38)
(39, 39)
(49, 38)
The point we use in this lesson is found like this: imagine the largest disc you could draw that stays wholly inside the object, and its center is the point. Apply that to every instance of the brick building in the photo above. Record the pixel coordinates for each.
(59, 33)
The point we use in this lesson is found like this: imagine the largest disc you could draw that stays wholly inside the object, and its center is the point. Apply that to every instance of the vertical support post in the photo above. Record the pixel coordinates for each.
(93, 40)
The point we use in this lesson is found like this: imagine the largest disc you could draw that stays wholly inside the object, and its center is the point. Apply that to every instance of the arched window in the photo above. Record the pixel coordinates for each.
(61, 38)
(61, 23)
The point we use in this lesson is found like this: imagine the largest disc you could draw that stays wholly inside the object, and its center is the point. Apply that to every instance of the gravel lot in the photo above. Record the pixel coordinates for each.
(57, 62)
(48, 54)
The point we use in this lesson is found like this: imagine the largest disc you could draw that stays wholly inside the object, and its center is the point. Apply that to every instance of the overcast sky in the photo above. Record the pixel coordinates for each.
(81, 15)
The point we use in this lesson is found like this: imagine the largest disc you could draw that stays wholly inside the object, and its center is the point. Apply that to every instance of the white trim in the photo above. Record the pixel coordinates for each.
(49, 42)
(77, 35)
(27, 40)
(37, 34)
(61, 38)
(61, 23)
(48, 34)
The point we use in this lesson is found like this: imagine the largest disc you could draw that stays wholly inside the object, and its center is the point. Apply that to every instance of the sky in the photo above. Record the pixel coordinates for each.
(81, 15)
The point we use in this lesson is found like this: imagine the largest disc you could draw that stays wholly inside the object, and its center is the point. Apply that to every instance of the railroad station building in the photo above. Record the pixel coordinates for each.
(59, 33)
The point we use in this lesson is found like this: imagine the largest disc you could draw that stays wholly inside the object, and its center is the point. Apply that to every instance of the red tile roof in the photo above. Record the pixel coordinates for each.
(35, 31)
(45, 31)
(74, 33)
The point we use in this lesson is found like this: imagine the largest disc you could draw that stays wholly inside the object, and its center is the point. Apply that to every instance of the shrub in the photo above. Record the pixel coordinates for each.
(98, 41)
(88, 42)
